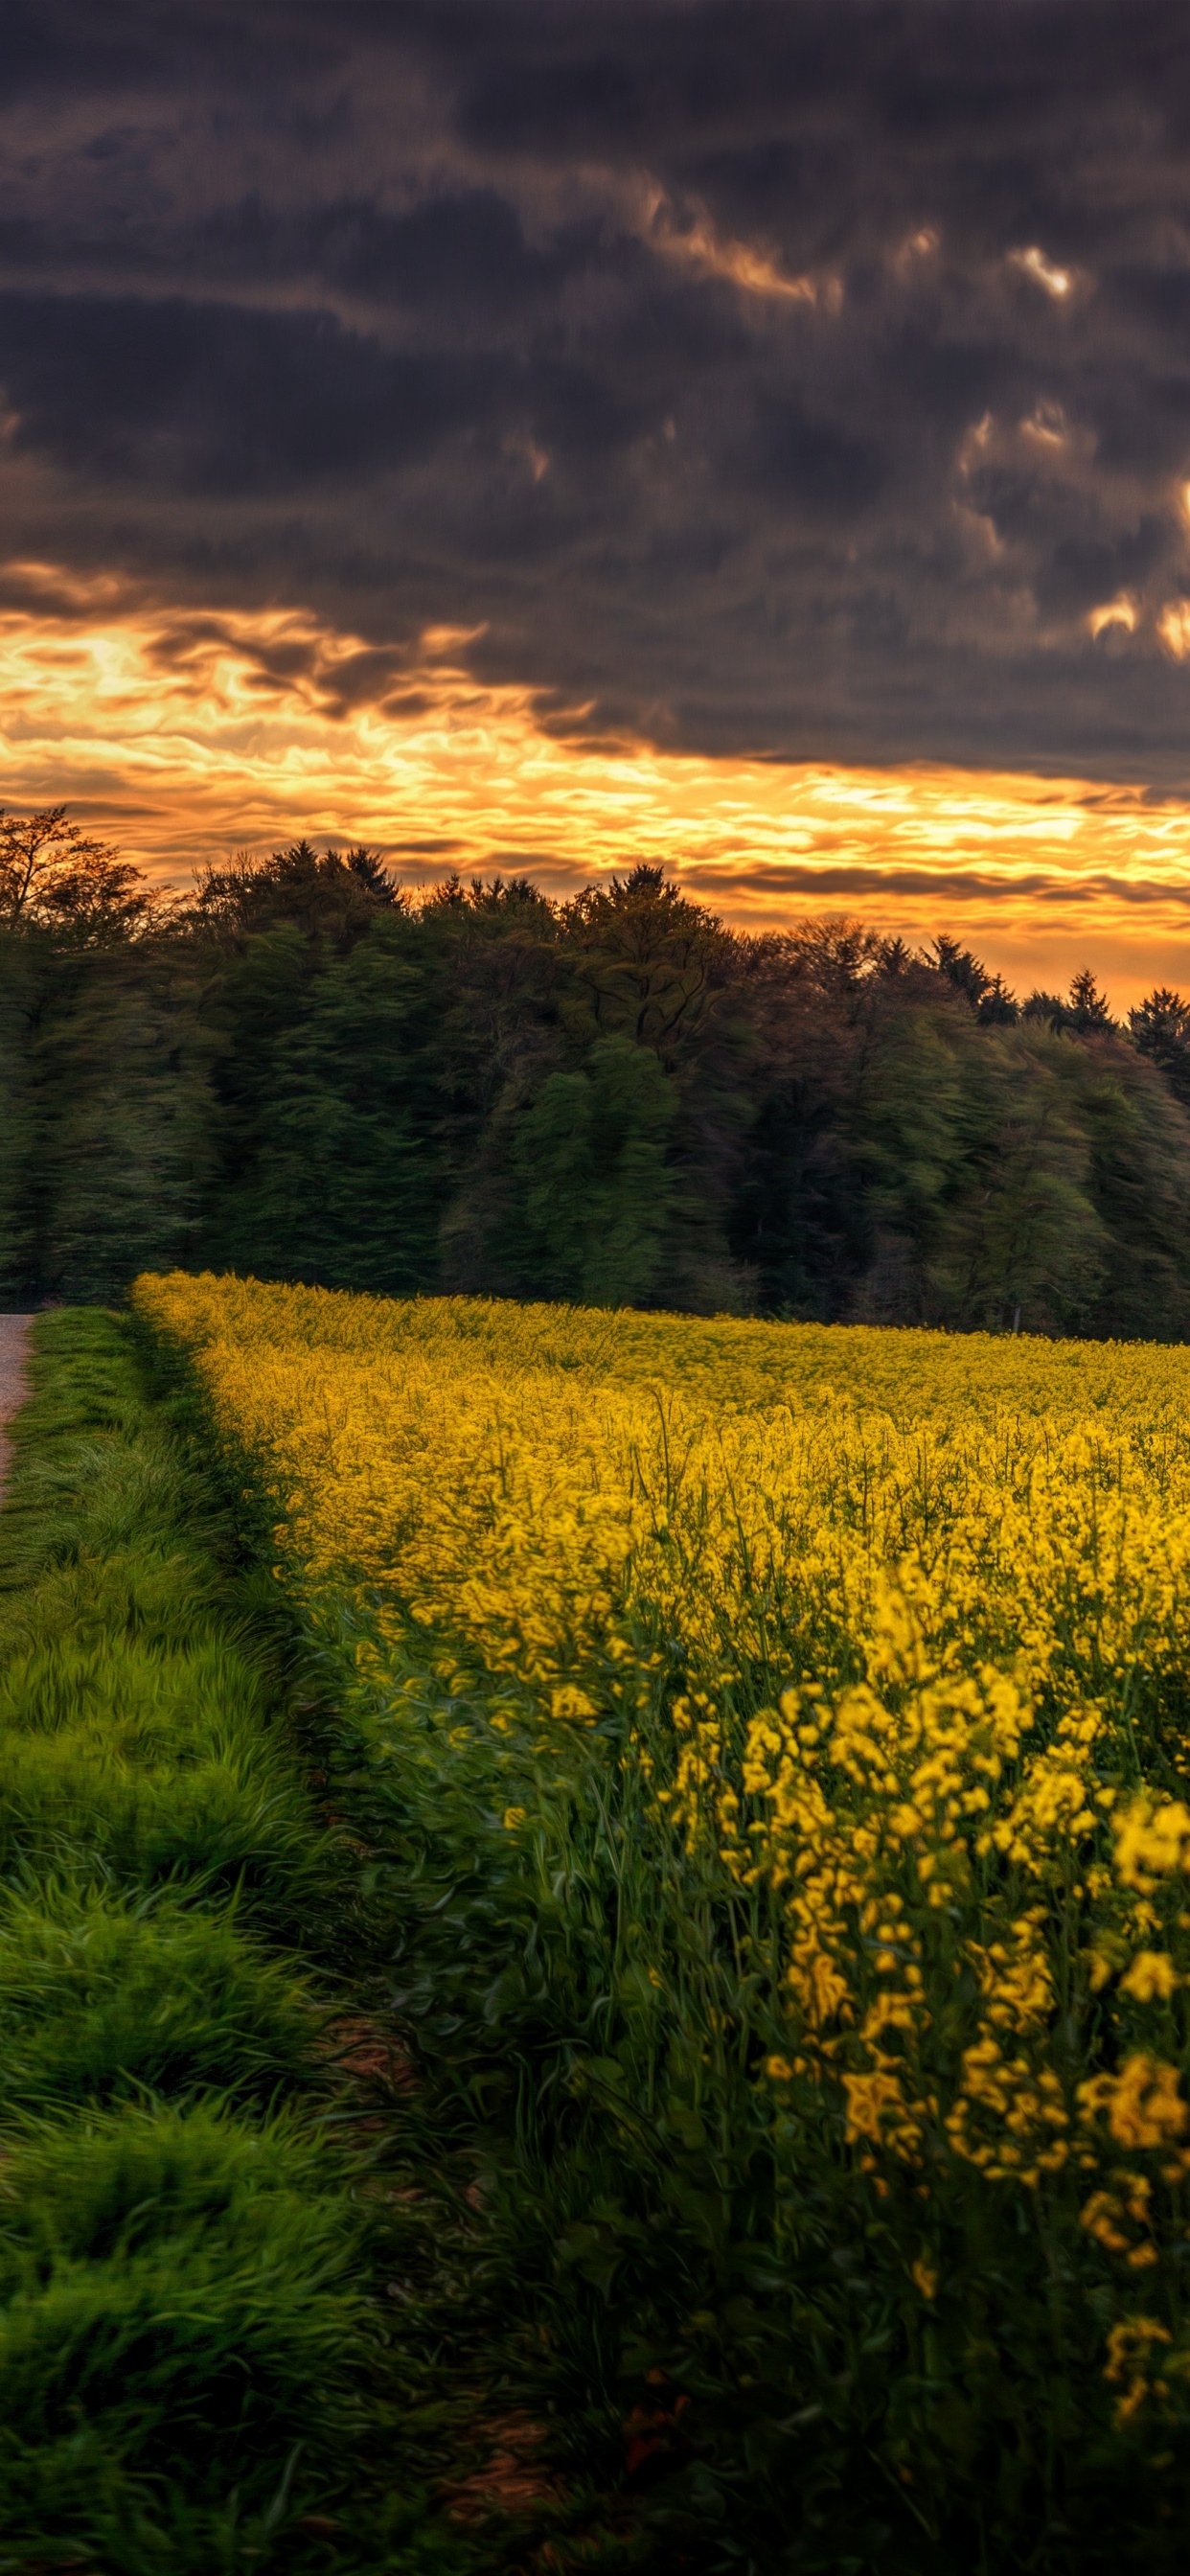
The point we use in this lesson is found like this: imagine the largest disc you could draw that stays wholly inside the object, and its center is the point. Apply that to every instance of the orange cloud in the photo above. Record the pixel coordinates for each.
(744, 264)
(186, 734)
(1121, 611)
(1173, 627)
(1033, 263)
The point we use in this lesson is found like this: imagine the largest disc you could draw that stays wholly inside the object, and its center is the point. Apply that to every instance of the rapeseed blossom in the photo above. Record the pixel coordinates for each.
(890, 1630)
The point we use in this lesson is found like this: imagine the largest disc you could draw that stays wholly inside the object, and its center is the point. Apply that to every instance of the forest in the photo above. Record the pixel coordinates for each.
(302, 1072)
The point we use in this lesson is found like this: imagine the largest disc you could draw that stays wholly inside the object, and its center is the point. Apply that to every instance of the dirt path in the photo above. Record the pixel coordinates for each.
(14, 1335)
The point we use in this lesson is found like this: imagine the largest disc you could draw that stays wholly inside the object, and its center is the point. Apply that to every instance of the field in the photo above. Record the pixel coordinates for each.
(770, 1744)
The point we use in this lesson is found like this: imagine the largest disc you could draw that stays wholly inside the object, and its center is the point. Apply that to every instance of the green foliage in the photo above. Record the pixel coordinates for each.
(304, 1074)
(124, 1106)
(1161, 1031)
(56, 876)
(68, 1799)
(103, 1994)
(177, 2319)
(595, 1190)
(343, 1182)
(678, 2281)
(191, 2357)
(1024, 1241)
(1016, 1177)
(18, 1124)
(135, 1736)
(103, 1072)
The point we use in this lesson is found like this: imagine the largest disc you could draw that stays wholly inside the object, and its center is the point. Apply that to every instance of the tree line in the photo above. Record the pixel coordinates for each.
(301, 1071)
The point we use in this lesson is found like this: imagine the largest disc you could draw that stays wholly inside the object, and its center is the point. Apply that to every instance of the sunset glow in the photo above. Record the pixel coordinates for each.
(187, 734)
(741, 264)
(595, 825)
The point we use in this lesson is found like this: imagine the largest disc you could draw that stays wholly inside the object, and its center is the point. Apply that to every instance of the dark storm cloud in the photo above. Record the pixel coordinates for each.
(878, 885)
(203, 397)
(817, 466)
(803, 381)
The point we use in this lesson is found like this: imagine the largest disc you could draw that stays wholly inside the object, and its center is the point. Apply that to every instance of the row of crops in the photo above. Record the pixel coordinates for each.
(763, 1750)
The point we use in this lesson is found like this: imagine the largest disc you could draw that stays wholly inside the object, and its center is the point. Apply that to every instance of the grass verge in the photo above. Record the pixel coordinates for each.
(198, 2367)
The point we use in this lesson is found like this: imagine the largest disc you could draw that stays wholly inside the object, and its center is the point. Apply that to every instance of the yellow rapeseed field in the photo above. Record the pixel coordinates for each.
(891, 1631)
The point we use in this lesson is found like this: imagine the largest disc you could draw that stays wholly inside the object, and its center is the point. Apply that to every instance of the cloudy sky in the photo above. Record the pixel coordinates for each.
(755, 435)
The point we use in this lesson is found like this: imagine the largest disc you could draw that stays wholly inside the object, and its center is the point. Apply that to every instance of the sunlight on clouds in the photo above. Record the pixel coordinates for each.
(743, 264)
(924, 241)
(527, 452)
(914, 248)
(1173, 627)
(1033, 263)
(186, 733)
(1047, 426)
(1114, 612)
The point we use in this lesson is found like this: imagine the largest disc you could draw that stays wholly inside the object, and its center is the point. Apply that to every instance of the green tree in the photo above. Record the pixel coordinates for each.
(253, 1001)
(304, 1073)
(20, 997)
(649, 963)
(329, 896)
(1023, 1245)
(988, 995)
(907, 1124)
(1161, 1031)
(347, 1177)
(1083, 1010)
(52, 873)
(1087, 1006)
(119, 1112)
(595, 1190)
(1139, 1142)
(972, 1147)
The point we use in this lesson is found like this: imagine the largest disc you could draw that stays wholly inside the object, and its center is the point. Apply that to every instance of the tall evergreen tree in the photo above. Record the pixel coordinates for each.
(1161, 1031)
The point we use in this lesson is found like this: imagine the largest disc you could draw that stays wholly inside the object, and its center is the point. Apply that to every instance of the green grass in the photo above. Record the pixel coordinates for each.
(107, 1993)
(198, 2370)
(181, 2308)
(223, 1812)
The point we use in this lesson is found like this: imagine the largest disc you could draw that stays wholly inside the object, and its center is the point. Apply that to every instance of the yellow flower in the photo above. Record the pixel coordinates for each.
(909, 1582)
(1142, 2104)
(1151, 1978)
(568, 1701)
(1132, 2346)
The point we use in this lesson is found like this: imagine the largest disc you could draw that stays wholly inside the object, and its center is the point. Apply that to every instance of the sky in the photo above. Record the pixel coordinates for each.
(540, 434)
